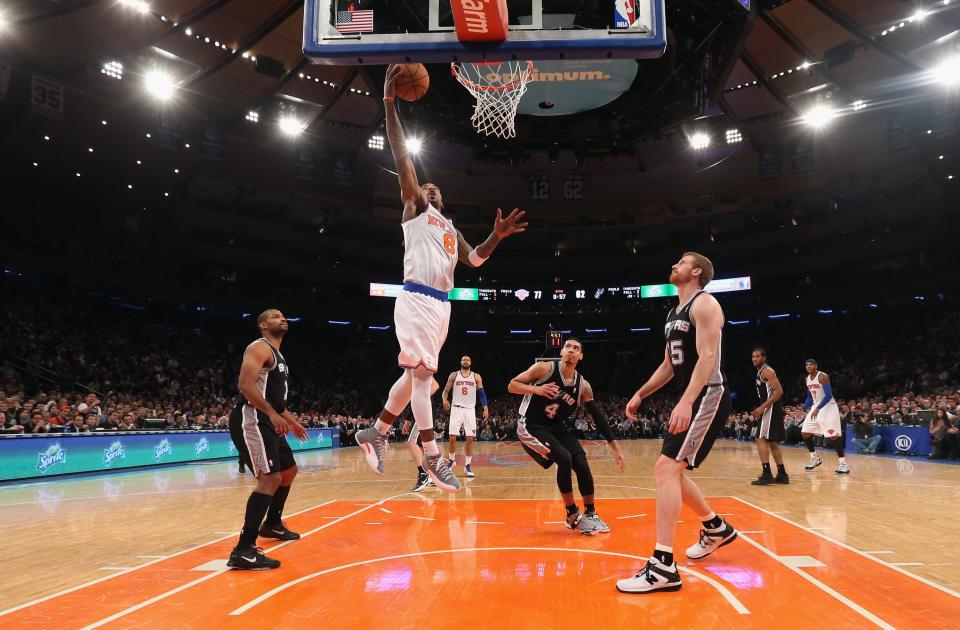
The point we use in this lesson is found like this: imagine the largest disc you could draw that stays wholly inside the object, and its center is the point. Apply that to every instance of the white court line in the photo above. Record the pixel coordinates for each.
(856, 551)
(907, 564)
(631, 516)
(819, 528)
(724, 591)
(421, 518)
(116, 569)
(554, 522)
(235, 533)
(484, 523)
(753, 531)
(183, 587)
(383, 509)
(152, 557)
(373, 523)
(146, 564)
(879, 552)
(331, 517)
(823, 587)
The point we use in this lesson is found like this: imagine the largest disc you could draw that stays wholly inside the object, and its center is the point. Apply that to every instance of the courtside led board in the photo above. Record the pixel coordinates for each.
(349, 32)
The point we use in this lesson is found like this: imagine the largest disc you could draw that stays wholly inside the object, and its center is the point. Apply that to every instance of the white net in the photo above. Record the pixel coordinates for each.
(498, 87)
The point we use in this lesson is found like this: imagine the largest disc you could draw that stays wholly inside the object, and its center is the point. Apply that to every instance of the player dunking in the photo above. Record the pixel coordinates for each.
(771, 414)
(257, 426)
(432, 248)
(467, 387)
(552, 391)
(823, 418)
(693, 357)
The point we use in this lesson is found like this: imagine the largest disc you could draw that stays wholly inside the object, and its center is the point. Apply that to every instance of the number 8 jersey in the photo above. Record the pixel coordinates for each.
(681, 335)
(430, 250)
(543, 412)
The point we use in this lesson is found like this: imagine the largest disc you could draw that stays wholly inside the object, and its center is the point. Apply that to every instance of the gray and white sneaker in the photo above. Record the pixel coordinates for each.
(373, 445)
(443, 477)
(842, 469)
(814, 462)
(582, 523)
(602, 528)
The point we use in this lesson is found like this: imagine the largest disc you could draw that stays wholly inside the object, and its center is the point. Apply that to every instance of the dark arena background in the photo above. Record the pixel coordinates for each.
(174, 168)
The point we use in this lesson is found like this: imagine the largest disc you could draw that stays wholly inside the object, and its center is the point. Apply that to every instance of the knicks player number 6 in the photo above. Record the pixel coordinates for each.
(463, 391)
(450, 243)
(676, 352)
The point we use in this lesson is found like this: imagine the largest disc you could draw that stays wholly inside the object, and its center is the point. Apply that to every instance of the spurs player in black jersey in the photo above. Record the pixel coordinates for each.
(691, 357)
(552, 391)
(771, 414)
(257, 425)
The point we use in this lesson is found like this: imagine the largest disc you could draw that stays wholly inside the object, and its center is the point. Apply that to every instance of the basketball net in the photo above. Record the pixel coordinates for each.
(498, 87)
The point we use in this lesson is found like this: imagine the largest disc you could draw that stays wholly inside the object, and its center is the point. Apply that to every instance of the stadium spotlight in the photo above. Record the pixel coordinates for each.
(414, 145)
(159, 84)
(136, 5)
(253, 116)
(113, 69)
(734, 136)
(375, 142)
(819, 116)
(291, 125)
(919, 15)
(699, 140)
(948, 72)
(859, 105)
(3, 21)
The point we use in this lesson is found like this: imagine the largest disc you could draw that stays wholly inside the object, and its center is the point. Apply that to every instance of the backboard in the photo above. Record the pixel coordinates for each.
(350, 32)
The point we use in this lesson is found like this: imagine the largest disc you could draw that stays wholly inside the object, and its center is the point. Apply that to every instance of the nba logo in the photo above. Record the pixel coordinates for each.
(624, 13)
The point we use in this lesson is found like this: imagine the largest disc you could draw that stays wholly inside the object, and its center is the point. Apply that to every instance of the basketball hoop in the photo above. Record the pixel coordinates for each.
(498, 87)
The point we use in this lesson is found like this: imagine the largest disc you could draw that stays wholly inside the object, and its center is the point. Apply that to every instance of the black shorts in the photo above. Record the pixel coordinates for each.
(260, 448)
(771, 424)
(556, 441)
(710, 413)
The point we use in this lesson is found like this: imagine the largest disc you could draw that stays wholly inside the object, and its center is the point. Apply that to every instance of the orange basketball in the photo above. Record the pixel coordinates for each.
(412, 82)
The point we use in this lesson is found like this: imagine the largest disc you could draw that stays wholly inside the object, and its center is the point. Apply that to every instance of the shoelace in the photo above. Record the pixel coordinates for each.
(646, 574)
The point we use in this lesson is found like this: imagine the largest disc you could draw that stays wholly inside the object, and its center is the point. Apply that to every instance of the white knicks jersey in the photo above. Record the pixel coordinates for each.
(816, 390)
(430, 250)
(465, 390)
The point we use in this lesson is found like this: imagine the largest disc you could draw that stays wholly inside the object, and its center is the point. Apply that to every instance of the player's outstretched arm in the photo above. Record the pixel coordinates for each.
(410, 192)
(502, 228)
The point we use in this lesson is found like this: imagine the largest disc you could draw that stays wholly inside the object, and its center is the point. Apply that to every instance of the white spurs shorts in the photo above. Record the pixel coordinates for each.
(421, 322)
(463, 417)
(827, 422)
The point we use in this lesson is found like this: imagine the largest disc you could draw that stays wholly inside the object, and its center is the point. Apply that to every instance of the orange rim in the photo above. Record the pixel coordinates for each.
(487, 88)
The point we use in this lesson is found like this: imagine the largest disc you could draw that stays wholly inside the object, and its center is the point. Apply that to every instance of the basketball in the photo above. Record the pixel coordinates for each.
(412, 82)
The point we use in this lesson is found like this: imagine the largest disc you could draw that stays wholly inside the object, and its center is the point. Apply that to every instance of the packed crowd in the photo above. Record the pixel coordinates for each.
(118, 370)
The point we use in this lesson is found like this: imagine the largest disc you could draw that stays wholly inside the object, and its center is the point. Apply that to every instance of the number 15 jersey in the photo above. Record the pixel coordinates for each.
(681, 335)
(556, 413)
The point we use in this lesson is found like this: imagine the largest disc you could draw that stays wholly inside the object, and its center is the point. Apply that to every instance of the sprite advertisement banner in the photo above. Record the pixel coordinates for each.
(24, 457)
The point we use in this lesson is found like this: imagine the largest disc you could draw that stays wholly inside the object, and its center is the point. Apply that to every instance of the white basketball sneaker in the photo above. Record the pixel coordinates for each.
(711, 541)
(814, 462)
(654, 576)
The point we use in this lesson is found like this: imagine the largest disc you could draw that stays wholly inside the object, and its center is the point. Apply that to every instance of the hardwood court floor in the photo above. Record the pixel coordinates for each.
(147, 549)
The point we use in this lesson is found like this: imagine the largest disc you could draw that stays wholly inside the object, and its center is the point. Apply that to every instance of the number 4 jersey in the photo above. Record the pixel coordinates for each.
(681, 334)
(556, 413)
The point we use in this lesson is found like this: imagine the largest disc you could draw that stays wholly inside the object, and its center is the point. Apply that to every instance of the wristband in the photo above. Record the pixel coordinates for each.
(476, 259)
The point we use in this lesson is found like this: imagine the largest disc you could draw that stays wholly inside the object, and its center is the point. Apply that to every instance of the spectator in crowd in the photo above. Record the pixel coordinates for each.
(79, 425)
(939, 426)
(864, 438)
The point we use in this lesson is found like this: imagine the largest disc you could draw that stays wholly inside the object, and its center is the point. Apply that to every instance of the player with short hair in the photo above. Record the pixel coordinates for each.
(823, 418)
(257, 426)
(692, 357)
(552, 391)
(467, 387)
(432, 248)
(771, 414)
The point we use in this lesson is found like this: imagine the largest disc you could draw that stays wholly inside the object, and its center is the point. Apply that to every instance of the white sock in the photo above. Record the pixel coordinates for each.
(469, 459)
(843, 460)
(431, 448)
(382, 427)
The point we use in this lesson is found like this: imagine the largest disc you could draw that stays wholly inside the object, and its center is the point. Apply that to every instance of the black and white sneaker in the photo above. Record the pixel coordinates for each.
(654, 576)
(423, 480)
(252, 559)
(711, 541)
(278, 531)
(765, 479)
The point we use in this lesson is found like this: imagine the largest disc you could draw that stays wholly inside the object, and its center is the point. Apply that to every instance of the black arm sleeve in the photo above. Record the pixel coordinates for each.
(600, 420)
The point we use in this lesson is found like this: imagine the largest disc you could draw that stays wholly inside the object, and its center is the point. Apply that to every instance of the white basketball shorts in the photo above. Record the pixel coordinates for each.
(826, 424)
(421, 322)
(465, 418)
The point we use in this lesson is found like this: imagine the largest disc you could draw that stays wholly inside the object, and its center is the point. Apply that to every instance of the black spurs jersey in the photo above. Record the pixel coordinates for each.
(681, 335)
(272, 381)
(765, 389)
(544, 412)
